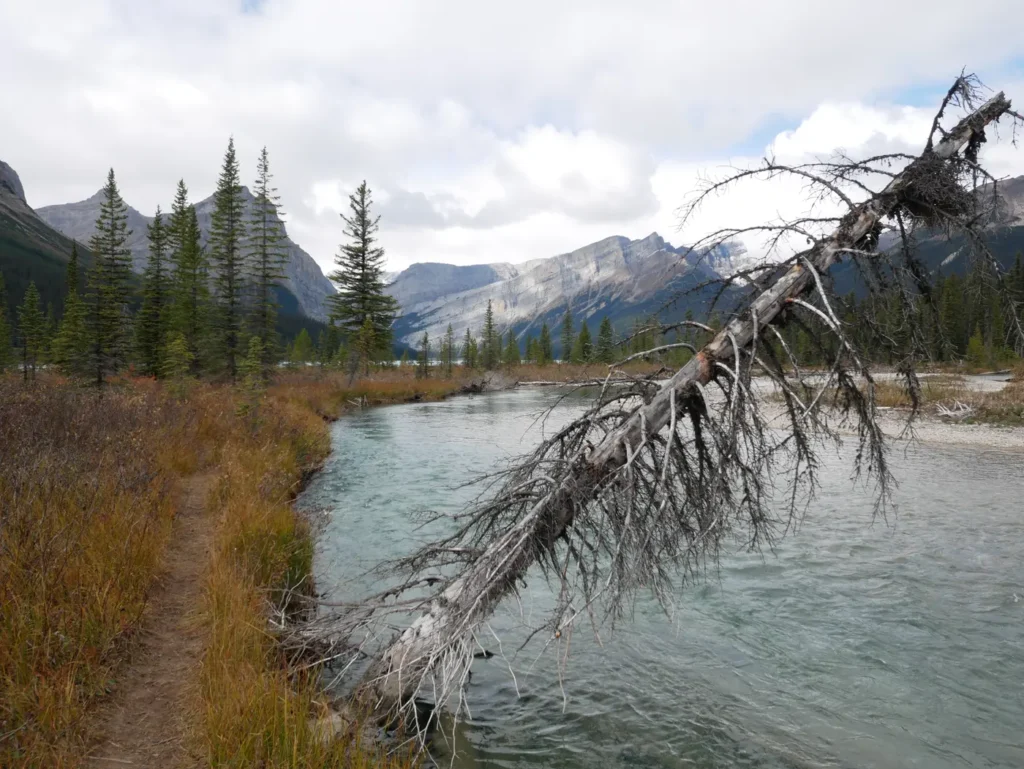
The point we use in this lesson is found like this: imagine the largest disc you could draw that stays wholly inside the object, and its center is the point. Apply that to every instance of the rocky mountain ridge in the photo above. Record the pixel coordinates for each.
(303, 277)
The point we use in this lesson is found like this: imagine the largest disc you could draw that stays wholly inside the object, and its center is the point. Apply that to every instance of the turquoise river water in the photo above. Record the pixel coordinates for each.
(854, 644)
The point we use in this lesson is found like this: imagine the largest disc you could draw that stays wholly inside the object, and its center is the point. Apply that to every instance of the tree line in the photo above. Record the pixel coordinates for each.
(199, 309)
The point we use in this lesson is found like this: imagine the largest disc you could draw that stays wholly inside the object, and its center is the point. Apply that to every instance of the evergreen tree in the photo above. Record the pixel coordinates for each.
(468, 351)
(531, 350)
(302, 350)
(6, 352)
(360, 280)
(606, 342)
(227, 240)
(567, 336)
(474, 353)
(109, 279)
(423, 357)
(448, 351)
(976, 353)
(404, 360)
(512, 355)
(190, 288)
(364, 348)
(32, 329)
(154, 316)
(490, 341)
(177, 362)
(545, 352)
(267, 257)
(70, 346)
(328, 347)
(583, 348)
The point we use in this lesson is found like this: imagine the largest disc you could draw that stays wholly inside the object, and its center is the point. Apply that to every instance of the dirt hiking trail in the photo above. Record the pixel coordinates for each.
(142, 725)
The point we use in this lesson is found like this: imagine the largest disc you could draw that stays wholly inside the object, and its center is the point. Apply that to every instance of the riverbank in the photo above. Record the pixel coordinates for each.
(148, 536)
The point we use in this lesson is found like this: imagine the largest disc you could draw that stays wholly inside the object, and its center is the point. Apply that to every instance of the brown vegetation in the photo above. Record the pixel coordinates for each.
(85, 513)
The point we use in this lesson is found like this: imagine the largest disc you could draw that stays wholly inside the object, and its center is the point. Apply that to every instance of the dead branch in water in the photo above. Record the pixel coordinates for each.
(641, 489)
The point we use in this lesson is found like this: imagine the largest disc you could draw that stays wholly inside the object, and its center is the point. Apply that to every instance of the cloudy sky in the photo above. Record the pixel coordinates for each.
(488, 131)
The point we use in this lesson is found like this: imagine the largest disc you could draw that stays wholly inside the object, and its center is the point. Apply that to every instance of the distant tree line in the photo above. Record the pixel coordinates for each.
(967, 319)
(200, 309)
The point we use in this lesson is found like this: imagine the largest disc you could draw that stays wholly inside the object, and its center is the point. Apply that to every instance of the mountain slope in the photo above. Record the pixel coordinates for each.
(30, 250)
(615, 277)
(303, 278)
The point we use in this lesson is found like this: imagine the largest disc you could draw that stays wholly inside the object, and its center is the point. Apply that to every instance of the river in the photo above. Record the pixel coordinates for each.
(855, 644)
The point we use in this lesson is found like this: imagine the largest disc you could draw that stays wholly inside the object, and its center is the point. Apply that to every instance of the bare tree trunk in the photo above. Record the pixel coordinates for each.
(492, 575)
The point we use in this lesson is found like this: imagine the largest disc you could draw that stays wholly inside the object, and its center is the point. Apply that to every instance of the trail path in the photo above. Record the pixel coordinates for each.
(143, 723)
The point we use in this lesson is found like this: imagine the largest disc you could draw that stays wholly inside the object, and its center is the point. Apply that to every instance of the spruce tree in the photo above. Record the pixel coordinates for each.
(190, 289)
(490, 340)
(606, 342)
(153, 322)
(545, 352)
(302, 350)
(6, 352)
(512, 356)
(448, 351)
(423, 357)
(227, 240)
(583, 348)
(71, 345)
(567, 336)
(267, 257)
(31, 330)
(360, 279)
(109, 280)
(468, 351)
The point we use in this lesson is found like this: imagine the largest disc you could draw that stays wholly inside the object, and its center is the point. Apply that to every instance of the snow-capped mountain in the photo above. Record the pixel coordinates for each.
(615, 277)
(303, 277)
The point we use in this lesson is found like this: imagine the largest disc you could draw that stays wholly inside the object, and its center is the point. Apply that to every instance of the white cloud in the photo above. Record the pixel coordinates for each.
(488, 133)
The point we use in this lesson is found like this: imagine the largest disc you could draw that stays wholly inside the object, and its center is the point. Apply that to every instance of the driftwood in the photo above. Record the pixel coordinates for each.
(649, 479)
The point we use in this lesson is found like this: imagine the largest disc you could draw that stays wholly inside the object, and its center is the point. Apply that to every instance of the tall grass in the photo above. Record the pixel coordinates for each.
(84, 515)
(86, 507)
(254, 711)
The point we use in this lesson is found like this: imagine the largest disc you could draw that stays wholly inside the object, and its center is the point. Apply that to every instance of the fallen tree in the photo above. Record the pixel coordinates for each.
(643, 486)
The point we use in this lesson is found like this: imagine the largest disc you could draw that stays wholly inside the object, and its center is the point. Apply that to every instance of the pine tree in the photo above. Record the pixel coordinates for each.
(327, 349)
(448, 351)
(302, 350)
(583, 349)
(227, 239)
(606, 342)
(267, 257)
(423, 357)
(154, 315)
(567, 336)
(469, 351)
(31, 330)
(545, 353)
(360, 279)
(70, 345)
(512, 356)
(364, 347)
(6, 352)
(530, 355)
(190, 289)
(490, 341)
(109, 279)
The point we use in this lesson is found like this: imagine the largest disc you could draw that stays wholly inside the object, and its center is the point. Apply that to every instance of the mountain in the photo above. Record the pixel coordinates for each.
(30, 250)
(940, 254)
(304, 280)
(616, 277)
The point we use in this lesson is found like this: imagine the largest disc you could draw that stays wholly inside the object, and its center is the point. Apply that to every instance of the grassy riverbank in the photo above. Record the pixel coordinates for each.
(88, 490)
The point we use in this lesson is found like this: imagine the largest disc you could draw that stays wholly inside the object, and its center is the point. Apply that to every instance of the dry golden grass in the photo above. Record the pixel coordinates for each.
(85, 512)
(1004, 407)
